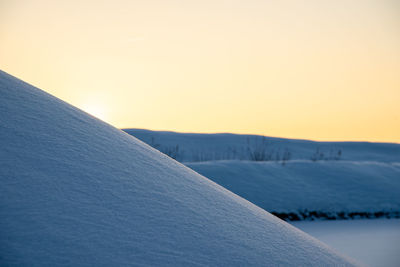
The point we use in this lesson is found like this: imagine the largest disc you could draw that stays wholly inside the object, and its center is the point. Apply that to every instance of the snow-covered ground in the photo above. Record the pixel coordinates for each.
(326, 189)
(294, 179)
(190, 147)
(373, 242)
(76, 191)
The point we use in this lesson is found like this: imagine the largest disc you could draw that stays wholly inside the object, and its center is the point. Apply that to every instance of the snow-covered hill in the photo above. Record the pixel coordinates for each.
(78, 192)
(310, 190)
(192, 147)
(293, 179)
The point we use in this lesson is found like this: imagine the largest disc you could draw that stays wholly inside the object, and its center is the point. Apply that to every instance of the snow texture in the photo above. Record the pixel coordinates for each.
(334, 188)
(76, 191)
(317, 180)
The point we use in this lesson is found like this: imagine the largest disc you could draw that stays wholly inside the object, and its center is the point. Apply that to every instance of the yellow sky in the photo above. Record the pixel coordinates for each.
(323, 70)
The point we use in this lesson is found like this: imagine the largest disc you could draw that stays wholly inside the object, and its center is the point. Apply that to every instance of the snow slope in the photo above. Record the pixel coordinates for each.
(362, 181)
(330, 189)
(209, 147)
(78, 192)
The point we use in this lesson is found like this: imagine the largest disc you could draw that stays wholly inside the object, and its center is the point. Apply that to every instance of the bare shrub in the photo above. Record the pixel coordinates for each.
(258, 149)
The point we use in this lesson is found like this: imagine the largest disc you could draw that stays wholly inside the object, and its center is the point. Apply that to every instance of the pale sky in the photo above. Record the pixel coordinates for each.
(322, 70)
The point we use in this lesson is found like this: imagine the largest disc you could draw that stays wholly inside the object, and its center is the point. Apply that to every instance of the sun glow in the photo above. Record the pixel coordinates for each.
(322, 70)
(95, 109)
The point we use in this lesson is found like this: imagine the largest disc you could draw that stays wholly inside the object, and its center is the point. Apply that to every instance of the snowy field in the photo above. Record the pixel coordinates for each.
(293, 179)
(373, 242)
(310, 190)
(193, 147)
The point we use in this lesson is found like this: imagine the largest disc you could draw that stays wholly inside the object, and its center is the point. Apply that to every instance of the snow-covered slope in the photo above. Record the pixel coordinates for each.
(293, 179)
(78, 192)
(189, 147)
(305, 190)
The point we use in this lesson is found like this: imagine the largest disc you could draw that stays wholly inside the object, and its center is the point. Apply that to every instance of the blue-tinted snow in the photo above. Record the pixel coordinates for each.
(299, 185)
(78, 192)
(329, 179)
(224, 146)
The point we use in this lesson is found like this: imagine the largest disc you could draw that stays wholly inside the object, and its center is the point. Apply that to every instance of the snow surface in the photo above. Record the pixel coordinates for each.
(224, 146)
(373, 242)
(324, 186)
(331, 180)
(76, 191)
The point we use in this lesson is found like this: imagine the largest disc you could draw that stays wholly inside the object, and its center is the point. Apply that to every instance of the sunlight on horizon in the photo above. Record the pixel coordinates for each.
(322, 70)
(96, 110)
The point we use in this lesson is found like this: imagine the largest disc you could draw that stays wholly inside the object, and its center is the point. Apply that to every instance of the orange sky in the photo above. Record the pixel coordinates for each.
(323, 70)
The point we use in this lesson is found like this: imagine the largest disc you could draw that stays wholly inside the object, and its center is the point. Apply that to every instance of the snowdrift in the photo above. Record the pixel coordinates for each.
(194, 147)
(76, 191)
(312, 190)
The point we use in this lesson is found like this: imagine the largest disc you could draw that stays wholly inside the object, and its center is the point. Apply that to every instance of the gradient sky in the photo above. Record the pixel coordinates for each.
(323, 70)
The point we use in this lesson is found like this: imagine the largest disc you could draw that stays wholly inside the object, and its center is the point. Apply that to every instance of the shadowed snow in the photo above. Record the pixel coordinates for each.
(76, 191)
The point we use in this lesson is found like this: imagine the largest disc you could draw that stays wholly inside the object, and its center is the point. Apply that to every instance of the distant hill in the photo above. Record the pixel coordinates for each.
(293, 179)
(193, 147)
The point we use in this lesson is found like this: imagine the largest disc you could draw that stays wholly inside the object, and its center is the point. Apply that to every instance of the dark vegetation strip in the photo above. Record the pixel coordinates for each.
(319, 215)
